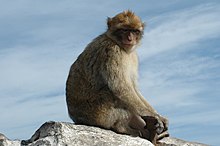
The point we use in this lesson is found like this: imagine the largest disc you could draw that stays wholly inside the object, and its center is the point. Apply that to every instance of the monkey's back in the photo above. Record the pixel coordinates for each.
(86, 91)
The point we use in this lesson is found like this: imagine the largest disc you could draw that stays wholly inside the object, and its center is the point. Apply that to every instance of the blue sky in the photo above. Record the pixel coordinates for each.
(179, 60)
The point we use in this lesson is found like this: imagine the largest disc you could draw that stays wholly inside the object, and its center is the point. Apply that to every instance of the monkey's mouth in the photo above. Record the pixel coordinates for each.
(127, 44)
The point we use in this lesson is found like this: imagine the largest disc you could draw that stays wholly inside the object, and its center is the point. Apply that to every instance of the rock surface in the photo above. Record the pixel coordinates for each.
(4, 141)
(68, 134)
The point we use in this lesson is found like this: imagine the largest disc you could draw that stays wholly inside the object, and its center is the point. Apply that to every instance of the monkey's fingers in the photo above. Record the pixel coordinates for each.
(162, 135)
(159, 128)
(165, 123)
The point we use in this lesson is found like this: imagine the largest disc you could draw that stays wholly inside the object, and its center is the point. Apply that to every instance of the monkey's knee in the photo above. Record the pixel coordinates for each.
(122, 126)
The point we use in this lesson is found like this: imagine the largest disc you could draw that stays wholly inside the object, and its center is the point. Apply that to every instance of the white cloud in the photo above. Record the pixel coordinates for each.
(20, 116)
(180, 28)
(178, 75)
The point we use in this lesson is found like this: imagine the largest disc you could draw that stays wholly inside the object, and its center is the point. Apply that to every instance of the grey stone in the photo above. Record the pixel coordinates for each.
(69, 134)
(171, 141)
(63, 134)
(4, 141)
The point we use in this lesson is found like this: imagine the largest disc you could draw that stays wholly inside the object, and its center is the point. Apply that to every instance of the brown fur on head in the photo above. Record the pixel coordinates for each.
(125, 19)
(126, 30)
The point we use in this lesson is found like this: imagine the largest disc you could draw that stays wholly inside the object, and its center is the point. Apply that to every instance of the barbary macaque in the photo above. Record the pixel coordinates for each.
(102, 90)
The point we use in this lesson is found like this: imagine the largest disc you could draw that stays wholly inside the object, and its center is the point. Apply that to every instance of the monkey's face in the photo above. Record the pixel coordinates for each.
(127, 37)
(126, 29)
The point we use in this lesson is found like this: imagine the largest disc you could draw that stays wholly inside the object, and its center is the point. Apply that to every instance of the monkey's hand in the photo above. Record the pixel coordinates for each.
(151, 127)
(154, 124)
(164, 133)
(165, 122)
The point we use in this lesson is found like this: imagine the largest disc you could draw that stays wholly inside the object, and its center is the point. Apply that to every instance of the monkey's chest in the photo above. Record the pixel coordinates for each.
(130, 70)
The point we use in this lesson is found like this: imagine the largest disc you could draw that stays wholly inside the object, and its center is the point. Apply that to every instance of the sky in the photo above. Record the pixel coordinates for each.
(179, 57)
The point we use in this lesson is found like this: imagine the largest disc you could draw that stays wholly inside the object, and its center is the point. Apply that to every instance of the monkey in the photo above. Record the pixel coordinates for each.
(102, 88)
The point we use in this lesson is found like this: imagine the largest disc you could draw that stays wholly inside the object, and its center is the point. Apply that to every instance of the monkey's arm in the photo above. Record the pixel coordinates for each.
(163, 119)
(120, 84)
(135, 86)
(144, 101)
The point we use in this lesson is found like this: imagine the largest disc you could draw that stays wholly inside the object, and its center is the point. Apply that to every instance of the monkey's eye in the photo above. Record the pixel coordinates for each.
(136, 31)
(123, 30)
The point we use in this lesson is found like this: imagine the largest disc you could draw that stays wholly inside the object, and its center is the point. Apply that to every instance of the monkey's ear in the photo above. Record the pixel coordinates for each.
(144, 24)
(109, 22)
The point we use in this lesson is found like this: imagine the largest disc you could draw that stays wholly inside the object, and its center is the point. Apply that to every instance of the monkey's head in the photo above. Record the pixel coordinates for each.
(126, 29)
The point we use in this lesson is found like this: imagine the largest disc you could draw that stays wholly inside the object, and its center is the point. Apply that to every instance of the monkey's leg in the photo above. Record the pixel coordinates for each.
(123, 127)
(125, 123)
(136, 122)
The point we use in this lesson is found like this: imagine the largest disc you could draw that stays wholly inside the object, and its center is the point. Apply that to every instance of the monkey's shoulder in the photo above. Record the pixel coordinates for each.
(102, 46)
(102, 43)
(103, 50)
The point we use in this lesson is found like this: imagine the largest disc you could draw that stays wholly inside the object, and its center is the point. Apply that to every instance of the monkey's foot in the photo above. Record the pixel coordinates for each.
(154, 124)
(162, 135)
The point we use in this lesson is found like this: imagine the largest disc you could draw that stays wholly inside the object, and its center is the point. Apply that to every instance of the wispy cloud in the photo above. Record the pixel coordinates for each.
(30, 114)
(180, 28)
(179, 70)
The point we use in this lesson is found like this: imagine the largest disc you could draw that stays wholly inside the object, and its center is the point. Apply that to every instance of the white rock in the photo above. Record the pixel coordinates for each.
(4, 141)
(63, 134)
(69, 134)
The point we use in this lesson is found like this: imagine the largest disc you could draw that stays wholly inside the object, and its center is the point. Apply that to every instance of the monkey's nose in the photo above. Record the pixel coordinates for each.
(129, 38)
